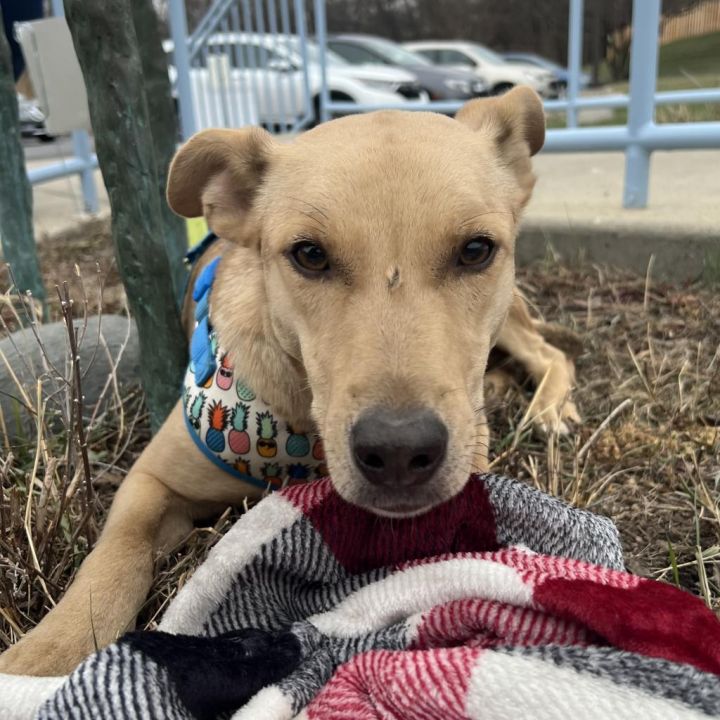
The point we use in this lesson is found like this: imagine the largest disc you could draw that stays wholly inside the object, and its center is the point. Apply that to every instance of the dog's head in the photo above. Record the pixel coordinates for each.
(371, 271)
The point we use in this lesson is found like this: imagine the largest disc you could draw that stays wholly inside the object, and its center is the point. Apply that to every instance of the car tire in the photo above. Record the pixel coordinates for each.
(334, 95)
(502, 88)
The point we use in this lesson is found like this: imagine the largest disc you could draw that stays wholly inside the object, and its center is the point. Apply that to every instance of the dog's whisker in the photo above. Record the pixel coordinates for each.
(479, 410)
(472, 219)
(320, 228)
(310, 205)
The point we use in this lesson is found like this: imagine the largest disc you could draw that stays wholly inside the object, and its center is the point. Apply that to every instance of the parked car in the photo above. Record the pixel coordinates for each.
(500, 75)
(248, 78)
(561, 74)
(440, 83)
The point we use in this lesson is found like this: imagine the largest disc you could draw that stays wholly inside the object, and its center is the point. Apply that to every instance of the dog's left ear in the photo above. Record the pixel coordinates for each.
(515, 117)
(515, 123)
(217, 173)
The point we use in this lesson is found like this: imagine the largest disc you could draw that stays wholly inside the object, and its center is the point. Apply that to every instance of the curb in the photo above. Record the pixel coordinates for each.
(680, 254)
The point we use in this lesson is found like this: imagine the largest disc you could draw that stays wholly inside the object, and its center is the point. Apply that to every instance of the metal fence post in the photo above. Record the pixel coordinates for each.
(309, 116)
(181, 61)
(574, 60)
(321, 34)
(82, 148)
(641, 108)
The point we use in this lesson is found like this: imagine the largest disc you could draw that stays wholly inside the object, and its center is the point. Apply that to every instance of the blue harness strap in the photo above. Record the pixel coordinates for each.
(191, 257)
(201, 351)
(202, 357)
(197, 250)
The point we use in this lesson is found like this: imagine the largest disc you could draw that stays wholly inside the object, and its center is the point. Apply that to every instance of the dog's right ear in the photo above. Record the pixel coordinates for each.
(217, 174)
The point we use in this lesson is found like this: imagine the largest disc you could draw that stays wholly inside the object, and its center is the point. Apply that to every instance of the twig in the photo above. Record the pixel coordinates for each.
(4, 472)
(593, 438)
(34, 330)
(66, 304)
(648, 275)
(44, 580)
(633, 357)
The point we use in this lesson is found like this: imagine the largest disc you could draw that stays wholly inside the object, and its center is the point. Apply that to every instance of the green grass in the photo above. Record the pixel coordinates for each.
(692, 62)
(706, 112)
(697, 56)
(683, 64)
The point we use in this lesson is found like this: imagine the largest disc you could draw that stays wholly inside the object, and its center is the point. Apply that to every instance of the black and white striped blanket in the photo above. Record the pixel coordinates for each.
(502, 603)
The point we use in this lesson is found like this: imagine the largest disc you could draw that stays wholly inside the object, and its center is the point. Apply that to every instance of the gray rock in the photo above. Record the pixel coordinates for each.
(25, 360)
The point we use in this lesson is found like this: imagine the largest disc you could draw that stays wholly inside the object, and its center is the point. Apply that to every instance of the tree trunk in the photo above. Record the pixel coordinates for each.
(107, 48)
(16, 222)
(164, 129)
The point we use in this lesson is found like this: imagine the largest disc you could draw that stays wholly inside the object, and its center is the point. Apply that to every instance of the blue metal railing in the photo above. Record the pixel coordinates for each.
(181, 55)
(575, 37)
(639, 138)
(246, 63)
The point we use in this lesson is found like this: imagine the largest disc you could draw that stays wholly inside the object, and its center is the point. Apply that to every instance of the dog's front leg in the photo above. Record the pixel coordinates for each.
(553, 372)
(112, 583)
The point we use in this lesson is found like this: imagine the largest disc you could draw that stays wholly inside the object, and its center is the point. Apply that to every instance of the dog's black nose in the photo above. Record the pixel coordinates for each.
(398, 448)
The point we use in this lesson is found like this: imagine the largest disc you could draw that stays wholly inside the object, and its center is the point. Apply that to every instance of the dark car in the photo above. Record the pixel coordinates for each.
(562, 75)
(440, 83)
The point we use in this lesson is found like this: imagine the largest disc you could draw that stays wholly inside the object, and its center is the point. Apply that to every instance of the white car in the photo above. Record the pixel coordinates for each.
(498, 74)
(244, 78)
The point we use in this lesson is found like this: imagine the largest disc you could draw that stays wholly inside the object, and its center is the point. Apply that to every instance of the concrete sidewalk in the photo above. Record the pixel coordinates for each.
(586, 189)
(58, 204)
(576, 209)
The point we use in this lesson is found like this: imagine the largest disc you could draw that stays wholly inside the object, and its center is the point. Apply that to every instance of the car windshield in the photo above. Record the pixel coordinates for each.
(393, 53)
(487, 54)
(284, 45)
(534, 60)
(313, 52)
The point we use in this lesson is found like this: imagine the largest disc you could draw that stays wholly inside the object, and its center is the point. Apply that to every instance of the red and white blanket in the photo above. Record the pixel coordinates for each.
(501, 603)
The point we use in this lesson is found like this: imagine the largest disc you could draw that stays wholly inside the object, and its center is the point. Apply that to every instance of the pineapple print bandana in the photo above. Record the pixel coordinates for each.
(230, 424)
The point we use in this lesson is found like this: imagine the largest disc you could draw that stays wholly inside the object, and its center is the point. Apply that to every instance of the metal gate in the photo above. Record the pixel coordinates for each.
(245, 64)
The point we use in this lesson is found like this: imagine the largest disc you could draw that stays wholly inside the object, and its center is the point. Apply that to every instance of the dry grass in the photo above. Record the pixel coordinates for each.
(647, 453)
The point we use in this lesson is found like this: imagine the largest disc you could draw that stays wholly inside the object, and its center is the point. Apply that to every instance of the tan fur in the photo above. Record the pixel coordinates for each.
(552, 371)
(391, 196)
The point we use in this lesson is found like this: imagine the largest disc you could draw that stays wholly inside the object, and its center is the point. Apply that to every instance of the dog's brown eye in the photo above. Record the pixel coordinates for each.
(309, 257)
(477, 253)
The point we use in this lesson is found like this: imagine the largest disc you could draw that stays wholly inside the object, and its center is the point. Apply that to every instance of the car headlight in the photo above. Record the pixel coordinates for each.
(388, 85)
(479, 87)
(463, 86)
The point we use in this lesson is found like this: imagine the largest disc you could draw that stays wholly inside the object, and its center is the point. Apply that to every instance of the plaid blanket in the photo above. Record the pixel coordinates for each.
(501, 603)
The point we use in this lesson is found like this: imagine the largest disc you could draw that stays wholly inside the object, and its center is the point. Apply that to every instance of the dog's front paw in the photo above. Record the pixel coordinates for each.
(552, 414)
